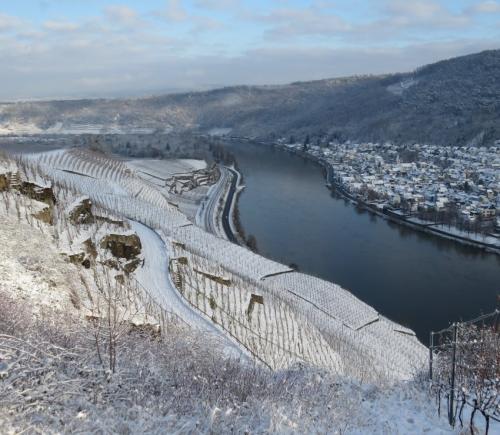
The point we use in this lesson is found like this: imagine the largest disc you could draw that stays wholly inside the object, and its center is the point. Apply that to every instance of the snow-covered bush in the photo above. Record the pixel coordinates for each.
(52, 382)
(465, 370)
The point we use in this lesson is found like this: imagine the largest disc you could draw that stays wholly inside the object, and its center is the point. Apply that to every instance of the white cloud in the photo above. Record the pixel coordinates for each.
(60, 26)
(121, 50)
(122, 15)
(304, 21)
(174, 10)
(225, 5)
(8, 22)
(415, 9)
(424, 13)
(114, 68)
(487, 7)
(393, 19)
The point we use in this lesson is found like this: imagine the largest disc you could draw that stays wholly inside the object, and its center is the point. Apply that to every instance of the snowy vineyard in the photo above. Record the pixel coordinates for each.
(266, 326)
(302, 318)
(72, 240)
(465, 371)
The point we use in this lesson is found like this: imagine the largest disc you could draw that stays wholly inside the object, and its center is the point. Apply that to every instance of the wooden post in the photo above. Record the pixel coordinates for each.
(451, 416)
(431, 350)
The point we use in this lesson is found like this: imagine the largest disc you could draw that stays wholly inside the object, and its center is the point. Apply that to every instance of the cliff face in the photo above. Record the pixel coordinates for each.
(455, 101)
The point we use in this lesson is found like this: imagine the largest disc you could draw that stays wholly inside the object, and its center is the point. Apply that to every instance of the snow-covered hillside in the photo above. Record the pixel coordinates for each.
(359, 341)
(93, 273)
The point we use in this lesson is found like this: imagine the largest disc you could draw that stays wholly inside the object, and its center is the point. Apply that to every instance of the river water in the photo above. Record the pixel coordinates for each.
(419, 280)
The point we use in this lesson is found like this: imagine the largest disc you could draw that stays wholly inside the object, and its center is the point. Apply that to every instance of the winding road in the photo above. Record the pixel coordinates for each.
(226, 213)
(155, 278)
(212, 205)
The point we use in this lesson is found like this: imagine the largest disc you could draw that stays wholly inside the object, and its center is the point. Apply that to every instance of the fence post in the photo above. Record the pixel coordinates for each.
(431, 348)
(451, 416)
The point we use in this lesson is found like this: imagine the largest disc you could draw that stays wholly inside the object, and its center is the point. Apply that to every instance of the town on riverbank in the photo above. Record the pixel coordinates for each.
(453, 192)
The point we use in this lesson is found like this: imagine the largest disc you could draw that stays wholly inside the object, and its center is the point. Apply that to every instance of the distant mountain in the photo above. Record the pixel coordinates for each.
(455, 101)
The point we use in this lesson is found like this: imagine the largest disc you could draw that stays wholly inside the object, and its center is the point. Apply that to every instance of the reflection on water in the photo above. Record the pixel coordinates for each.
(417, 279)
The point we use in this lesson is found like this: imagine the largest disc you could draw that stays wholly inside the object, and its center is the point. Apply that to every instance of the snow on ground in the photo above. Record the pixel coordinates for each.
(20, 128)
(208, 214)
(274, 332)
(401, 410)
(195, 164)
(306, 401)
(302, 401)
(166, 168)
(350, 326)
(7, 166)
(484, 238)
(454, 231)
(190, 202)
(32, 268)
(155, 278)
(219, 131)
(344, 318)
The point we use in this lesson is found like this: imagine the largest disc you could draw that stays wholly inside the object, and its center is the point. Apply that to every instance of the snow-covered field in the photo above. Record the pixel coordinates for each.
(18, 128)
(164, 169)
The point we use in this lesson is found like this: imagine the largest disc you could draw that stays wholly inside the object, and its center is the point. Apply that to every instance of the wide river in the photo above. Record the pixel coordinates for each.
(419, 280)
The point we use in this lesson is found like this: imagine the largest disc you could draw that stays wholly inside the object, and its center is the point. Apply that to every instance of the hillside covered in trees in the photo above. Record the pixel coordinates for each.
(454, 101)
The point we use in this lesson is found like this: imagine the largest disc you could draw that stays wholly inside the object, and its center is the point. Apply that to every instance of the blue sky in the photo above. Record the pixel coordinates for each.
(72, 48)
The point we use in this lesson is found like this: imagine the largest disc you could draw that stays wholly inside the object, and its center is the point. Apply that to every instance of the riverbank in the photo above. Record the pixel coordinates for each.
(396, 216)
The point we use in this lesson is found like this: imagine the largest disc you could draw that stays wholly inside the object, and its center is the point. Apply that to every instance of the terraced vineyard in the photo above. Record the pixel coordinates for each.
(279, 316)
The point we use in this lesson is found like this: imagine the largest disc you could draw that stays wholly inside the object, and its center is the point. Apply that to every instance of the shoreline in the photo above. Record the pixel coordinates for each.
(227, 219)
(386, 213)
(238, 189)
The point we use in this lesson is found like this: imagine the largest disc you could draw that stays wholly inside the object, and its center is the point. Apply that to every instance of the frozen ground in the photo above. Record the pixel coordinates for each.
(162, 174)
(186, 384)
(155, 278)
(183, 385)
(154, 169)
(32, 269)
(361, 336)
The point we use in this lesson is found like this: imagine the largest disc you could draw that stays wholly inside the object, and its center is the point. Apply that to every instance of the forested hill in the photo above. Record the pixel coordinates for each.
(455, 101)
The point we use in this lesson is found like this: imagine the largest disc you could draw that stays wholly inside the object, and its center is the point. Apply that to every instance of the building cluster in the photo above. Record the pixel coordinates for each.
(460, 185)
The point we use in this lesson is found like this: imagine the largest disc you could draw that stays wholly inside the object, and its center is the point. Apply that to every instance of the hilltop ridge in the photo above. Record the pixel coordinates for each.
(455, 101)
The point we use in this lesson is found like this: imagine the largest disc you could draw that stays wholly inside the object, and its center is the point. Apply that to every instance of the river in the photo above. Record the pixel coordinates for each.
(419, 280)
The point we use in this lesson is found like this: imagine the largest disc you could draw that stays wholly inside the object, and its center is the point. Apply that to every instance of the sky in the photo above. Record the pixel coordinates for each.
(91, 48)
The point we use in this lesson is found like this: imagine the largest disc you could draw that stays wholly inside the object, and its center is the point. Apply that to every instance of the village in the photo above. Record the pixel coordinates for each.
(453, 187)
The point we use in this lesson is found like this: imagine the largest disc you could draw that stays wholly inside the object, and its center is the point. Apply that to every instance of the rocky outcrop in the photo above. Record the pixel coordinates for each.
(128, 267)
(81, 212)
(90, 247)
(132, 265)
(4, 182)
(111, 263)
(77, 259)
(45, 215)
(108, 220)
(127, 246)
(38, 193)
(123, 247)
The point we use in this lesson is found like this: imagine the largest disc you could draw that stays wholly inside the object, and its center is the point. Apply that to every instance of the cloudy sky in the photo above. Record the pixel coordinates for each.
(89, 48)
